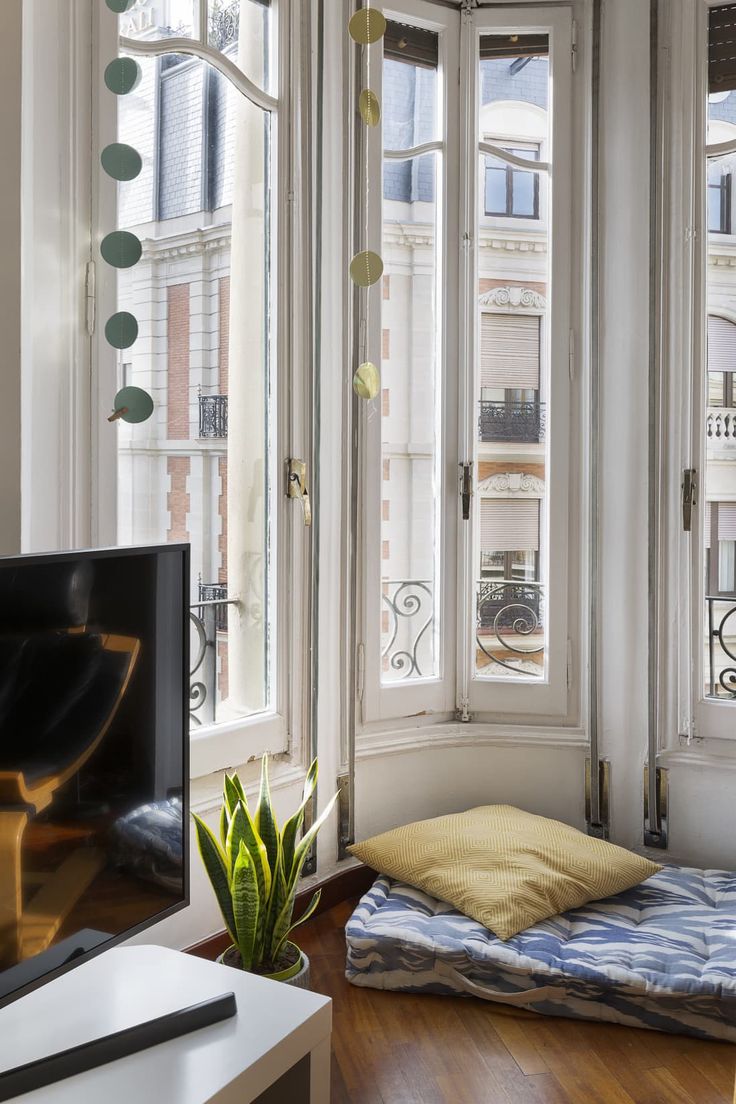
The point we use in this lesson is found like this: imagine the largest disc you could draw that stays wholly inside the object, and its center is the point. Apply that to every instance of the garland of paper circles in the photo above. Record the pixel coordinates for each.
(367, 27)
(120, 249)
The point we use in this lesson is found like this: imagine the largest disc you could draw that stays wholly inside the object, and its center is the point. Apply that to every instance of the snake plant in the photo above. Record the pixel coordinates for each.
(255, 867)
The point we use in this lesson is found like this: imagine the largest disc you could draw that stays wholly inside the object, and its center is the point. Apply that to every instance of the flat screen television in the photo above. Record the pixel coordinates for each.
(93, 754)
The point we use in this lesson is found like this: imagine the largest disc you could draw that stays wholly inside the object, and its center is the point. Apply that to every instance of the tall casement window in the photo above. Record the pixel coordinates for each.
(716, 555)
(213, 294)
(467, 551)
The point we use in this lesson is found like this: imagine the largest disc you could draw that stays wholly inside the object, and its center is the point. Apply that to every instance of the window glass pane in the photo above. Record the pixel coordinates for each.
(202, 209)
(719, 525)
(409, 108)
(410, 436)
(715, 217)
(513, 297)
(254, 50)
(151, 19)
(523, 194)
(496, 193)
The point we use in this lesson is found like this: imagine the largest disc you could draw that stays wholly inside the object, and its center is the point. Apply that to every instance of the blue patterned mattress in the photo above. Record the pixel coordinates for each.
(661, 955)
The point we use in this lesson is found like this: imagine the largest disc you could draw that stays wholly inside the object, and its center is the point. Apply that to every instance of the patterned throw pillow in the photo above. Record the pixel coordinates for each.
(503, 867)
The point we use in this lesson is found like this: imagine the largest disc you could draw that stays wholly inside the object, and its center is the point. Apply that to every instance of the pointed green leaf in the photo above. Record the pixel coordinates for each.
(293, 825)
(305, 843)
(216, 866)
(245, 905)
(265, 821)
(279, 893)
(232, 797)
(309, 910)
(239, 787)
(223, 825)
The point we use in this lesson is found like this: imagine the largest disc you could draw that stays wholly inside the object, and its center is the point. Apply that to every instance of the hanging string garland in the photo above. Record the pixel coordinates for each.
(121, 249)
(367, 27)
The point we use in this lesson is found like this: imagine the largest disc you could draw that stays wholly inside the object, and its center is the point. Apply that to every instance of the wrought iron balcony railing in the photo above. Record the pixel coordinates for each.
(720, 426)
(522, 422)
(208, 616)
(721, 646)
(213, 416)
(510, 625)
(408, 644)
(217, 593)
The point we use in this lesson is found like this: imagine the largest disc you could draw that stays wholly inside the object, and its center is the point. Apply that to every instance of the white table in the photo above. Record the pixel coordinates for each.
(279, 1032)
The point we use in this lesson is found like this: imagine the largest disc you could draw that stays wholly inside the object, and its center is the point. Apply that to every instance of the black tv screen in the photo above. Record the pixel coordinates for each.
(93, 754)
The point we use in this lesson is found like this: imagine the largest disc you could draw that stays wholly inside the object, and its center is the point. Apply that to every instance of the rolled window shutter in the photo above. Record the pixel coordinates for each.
(721, 345)
(510, 47)
(509, 525)
(707, 522)
(509, 351)
(722, 48)
(412, 45)
(727, 521)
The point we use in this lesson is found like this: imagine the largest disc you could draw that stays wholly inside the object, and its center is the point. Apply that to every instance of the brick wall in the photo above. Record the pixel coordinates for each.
(177, 500)
(177, 407)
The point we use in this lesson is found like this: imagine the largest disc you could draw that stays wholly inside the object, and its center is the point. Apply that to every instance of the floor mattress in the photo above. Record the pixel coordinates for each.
(660, 956)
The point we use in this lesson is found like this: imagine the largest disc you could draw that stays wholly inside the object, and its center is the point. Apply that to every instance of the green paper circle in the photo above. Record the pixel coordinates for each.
(119, 6)
(121, 330)
(121, 249)
(138, 402)
(121, 162)
(122, 75)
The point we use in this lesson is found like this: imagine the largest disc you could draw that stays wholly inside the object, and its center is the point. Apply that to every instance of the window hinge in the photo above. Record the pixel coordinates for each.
(462, 713)
(466, 487)
(569, 664)
(574, 46)
(296, 486)
(571, 355)
(361, 671)
(689, 497)
(90, 297)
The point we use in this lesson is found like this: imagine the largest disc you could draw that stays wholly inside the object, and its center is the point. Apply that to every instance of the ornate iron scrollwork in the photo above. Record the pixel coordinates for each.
(507, 611)
(410, 607)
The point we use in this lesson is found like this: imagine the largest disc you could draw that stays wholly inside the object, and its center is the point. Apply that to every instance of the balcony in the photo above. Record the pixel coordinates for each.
(510, 635)
(207, 686)
(721, 641)
(720, 428)
(511, 422)
(213, 416)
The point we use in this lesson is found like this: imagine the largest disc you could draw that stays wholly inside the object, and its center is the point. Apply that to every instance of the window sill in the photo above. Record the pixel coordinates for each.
(478, 734)
(221, 747)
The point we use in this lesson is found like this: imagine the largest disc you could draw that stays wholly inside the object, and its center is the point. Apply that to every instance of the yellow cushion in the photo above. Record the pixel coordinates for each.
(503, 867)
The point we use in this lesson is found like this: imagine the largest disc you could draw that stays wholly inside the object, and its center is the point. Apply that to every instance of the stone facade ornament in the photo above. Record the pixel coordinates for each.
(511, 484)
(513, 298)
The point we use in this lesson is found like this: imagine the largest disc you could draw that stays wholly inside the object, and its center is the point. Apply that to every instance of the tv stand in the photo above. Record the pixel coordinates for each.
(118, 1007)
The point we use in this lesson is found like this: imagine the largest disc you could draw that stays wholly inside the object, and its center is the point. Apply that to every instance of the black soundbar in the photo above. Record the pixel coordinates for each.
(98, 1052)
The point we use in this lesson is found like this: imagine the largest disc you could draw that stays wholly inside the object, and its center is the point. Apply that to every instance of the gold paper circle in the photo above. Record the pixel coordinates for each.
(370, 107)
(366, 268)
(367, 26)
(367, 381)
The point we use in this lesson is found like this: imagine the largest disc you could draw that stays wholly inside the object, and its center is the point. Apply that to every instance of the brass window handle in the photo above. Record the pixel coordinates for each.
(296, 486)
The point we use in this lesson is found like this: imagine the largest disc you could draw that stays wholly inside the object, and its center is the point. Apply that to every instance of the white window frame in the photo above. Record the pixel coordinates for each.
(430, 696)
(687, 723)
(284, 727)
(558, 701)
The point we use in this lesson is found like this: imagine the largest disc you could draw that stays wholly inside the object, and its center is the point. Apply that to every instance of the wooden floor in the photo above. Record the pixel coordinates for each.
(392, 1048)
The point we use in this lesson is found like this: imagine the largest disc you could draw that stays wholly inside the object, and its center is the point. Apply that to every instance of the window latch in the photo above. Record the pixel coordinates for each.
(466, 488)
(689, 497)
(296, 486)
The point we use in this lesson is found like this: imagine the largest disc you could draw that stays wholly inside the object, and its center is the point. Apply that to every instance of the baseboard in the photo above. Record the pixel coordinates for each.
(340, 887)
